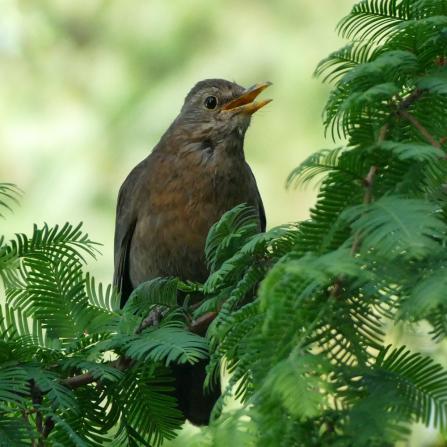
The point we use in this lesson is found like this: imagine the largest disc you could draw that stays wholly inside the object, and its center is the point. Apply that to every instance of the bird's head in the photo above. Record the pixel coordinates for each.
(218, 112)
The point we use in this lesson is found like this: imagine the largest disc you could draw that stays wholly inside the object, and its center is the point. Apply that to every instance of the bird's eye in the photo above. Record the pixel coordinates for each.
(211, 102)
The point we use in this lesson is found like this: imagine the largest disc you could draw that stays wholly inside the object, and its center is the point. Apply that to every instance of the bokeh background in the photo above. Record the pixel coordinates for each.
(88, 87)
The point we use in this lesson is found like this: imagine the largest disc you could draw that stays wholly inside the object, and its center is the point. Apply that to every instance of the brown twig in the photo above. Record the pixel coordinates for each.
(153, 319)
(79, 380)
(25, 414)
(201, 324)
(368, 183)
(121, 364)
(198, 326)
(383, 133)
(336, 288)
(49, 425)
(36, 398)
(408, 101)
(402, 110)
(421, 129)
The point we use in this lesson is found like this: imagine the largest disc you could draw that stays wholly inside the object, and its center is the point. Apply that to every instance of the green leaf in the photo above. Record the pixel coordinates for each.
(15, 432)
(65, 433)
(425, 296)
(149, 412)
(420, 381)
(14, 384)
(434, 83)
(100, 371)
(167, 344)
(341, 61)
(60, 396)
(228, 234)
(158, 291)
(373, 19)
(9, 195)
(412, 151)
(297, 384)
(396, 226)
(315, 165)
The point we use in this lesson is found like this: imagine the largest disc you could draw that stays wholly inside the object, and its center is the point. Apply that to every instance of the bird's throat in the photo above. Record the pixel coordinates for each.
(232, 146)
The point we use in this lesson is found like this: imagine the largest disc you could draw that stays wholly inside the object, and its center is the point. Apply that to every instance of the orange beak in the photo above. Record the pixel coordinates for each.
(246, 102)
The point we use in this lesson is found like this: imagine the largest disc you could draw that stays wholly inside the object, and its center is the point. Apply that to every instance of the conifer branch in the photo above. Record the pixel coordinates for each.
(402, 110)
(368, 183)
(422, 130)
(198, 326)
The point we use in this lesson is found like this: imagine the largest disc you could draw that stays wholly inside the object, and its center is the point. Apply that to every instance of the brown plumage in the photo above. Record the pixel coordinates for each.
(169, 201)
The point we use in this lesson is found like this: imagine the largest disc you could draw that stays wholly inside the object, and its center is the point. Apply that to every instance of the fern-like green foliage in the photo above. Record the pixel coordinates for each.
(302, 312)
(307, 355)
(56, 323)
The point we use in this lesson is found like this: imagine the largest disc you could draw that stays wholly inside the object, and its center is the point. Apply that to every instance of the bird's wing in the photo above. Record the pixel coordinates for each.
(260, 205)
(126, 219)
(262, 217)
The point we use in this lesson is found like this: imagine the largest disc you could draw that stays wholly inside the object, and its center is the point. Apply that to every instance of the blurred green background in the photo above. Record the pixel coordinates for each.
(88, 87)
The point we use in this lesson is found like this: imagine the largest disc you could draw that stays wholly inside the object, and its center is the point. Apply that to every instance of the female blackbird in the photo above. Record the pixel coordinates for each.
(169, 201)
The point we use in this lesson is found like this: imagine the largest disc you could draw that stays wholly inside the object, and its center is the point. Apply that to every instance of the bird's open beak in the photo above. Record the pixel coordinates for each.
(246, 102)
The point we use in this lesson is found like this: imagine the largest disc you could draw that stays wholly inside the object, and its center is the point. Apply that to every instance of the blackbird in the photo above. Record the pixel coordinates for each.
(169, 201)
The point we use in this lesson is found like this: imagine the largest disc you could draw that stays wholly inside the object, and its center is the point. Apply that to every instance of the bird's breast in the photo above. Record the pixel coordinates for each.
(184, 198)
(194, 195)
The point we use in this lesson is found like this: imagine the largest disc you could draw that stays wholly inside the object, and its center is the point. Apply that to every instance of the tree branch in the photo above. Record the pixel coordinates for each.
(153, 319)
(36, 398)
(49, 425)
(402, 110)
(201, 324)
(408, 101)
(198, 326)
(422, 130)
(368, 183)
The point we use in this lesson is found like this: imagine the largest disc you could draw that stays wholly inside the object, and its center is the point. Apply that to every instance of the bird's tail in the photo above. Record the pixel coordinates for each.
(195, 403)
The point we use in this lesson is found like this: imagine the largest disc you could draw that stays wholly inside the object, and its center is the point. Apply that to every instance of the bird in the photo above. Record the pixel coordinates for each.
(169, 201)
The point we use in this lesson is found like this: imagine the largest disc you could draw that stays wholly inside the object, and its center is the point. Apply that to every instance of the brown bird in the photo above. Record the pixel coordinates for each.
(169, 201)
